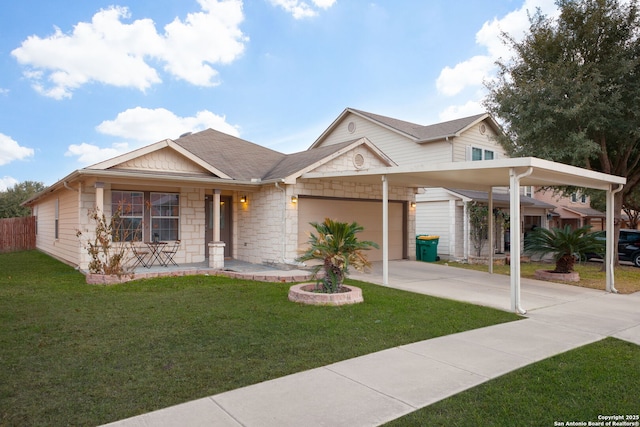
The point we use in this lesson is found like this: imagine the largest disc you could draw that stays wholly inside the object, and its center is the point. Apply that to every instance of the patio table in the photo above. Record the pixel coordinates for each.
(156, 252)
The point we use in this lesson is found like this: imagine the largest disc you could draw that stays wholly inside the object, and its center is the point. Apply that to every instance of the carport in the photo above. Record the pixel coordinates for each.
(484, 176)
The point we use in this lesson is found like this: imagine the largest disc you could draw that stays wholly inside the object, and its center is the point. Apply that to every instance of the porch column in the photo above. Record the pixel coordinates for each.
(385, 231)
(216, 215)
(216, 247)
(100, 196)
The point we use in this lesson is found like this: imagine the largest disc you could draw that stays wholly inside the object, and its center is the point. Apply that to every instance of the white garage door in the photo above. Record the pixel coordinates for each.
(366, 213)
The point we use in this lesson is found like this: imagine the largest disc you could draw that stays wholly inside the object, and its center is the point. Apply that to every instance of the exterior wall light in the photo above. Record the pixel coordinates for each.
(243, 199)
(413, 205)
(294, 199)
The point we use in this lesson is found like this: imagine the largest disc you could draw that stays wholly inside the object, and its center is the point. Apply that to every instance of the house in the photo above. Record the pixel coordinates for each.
(223, 197)
(439, 211)
(574, 211)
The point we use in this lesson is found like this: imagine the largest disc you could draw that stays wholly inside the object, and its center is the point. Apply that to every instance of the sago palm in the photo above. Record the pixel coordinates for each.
(338, 247)
(565, 244)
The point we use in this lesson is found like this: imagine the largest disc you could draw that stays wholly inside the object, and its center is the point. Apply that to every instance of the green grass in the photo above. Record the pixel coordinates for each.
(78, 354)
(627, 278)
(598, 379)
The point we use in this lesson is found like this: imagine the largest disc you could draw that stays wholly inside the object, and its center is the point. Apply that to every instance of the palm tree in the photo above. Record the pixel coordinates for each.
(337, 246)
(565, 244)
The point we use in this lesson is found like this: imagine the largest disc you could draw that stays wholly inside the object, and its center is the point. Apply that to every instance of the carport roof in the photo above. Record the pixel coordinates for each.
(479, 175)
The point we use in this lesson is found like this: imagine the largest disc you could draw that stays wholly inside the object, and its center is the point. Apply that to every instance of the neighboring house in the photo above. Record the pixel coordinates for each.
(439, 211)
(222, 196)
(574, 211)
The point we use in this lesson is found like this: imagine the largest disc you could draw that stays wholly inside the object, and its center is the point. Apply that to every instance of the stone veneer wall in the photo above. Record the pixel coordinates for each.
(268, 222)
(192, 226)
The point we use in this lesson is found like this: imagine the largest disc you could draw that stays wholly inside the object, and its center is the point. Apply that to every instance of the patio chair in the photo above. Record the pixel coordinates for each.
(141, 253)
(169, 252)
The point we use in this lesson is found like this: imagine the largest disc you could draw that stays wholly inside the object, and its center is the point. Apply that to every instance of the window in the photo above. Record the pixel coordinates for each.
(165, 216)
(576, 196)
(130, 206)
(57, 219)
(481, 154)
(528, 191)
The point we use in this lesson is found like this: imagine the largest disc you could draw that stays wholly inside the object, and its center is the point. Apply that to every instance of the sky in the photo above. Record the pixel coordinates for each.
(82, 82)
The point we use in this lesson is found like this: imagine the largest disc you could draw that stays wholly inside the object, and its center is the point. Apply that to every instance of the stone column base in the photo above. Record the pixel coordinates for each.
(216, 255)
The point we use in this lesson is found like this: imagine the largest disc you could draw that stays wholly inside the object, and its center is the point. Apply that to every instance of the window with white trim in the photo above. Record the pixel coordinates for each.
(165, 216)
(476, 154)
(129, 205)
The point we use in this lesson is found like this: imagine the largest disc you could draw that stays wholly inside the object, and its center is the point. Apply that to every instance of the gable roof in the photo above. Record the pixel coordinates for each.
(235, 157)
(500, 199)
(416, 132)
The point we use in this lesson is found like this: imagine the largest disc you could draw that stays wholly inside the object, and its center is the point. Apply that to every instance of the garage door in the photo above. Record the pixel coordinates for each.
(366, 213)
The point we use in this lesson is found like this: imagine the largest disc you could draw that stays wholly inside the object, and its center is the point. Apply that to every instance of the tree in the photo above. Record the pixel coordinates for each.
(565, 244)
(478, 225)
(571, 92)
(630, 205)
(338, 247)
(11, 199)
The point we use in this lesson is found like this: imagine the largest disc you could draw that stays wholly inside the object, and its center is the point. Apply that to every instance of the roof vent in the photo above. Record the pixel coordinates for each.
(351, 127)
(358, 161)
(185, 134)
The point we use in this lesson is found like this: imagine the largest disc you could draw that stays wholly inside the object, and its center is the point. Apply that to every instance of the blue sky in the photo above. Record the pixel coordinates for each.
(81, 82)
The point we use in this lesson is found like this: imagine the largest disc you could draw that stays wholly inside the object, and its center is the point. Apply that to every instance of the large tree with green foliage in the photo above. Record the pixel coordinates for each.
(11, 199)
(571, 91)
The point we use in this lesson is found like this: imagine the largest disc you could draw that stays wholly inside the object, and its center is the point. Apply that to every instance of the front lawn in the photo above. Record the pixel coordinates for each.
(78, 354)
(577, 388)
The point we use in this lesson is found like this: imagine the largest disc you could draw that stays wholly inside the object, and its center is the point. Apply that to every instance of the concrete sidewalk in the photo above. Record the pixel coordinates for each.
(379, 387)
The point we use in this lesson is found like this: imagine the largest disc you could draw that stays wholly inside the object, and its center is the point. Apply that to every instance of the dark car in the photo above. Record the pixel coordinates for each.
(628, 247)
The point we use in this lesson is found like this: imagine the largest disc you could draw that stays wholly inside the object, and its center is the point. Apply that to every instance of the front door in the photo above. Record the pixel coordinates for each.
(225, 224)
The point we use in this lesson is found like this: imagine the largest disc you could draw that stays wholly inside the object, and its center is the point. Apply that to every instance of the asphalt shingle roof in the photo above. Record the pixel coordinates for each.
(421, 132)
(243, 160)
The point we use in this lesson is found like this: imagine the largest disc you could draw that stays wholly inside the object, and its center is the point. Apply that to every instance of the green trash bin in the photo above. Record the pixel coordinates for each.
(427, 248)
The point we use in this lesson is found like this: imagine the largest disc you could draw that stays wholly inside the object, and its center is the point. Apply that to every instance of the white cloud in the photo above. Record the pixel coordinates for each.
(473, 71)
(88, 154)
(7, 182)
(108, 51)
(300, 9)
(468, 73)
(10, 150)
(141, 126)
(456, 111)
(151, 125)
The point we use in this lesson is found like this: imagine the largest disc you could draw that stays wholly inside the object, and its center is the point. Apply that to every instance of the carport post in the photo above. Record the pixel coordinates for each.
(514, 196)
(491, 218)
(385, 231)
(609, 240)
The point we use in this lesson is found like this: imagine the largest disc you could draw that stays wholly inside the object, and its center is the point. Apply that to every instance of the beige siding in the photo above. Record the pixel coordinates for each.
(474, 138)
(165, 160)
(67, 246)
(397, 147)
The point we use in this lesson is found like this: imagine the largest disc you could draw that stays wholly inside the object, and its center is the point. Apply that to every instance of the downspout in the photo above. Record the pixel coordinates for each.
(610, 233)
(66, 185)
(515, 237)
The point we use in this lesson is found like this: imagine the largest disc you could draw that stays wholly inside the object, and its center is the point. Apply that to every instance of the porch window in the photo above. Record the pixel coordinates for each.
(165, 216)
(130, 205)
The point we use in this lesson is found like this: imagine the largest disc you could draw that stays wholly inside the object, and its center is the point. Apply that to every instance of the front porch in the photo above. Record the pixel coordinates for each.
(232, 268)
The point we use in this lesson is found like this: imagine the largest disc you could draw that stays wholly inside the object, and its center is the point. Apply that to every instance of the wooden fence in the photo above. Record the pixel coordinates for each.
(17, 234)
